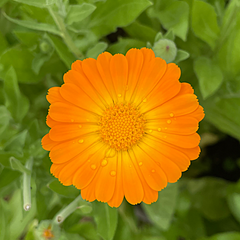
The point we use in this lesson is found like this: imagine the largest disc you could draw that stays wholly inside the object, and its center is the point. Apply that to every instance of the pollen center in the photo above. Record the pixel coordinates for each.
(122, 126)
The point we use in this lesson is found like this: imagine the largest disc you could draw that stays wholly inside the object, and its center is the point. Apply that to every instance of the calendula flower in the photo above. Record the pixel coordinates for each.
(122, 126)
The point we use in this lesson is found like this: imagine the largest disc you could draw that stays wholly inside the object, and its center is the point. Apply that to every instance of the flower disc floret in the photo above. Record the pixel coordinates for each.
(122, 126)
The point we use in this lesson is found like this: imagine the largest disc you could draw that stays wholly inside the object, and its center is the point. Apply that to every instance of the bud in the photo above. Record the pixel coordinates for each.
(165, 49)
(47, 231)
(45, 47)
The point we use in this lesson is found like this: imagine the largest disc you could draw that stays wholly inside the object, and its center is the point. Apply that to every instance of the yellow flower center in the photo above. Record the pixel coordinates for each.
(122, 126)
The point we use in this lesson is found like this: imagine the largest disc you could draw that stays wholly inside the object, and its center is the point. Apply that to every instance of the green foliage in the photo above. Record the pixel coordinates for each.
(40, 39)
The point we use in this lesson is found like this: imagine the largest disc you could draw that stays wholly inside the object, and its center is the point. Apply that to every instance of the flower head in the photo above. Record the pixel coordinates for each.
(122, 126)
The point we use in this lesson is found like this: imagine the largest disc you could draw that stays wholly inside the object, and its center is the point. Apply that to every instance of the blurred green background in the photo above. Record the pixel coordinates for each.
(39, 39)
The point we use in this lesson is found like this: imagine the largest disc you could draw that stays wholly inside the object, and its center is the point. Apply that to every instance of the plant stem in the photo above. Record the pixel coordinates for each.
(66, 37)
(65, 212)
(27, 186)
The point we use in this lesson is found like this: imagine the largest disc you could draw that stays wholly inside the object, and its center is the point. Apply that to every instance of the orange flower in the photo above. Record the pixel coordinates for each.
(122, 126)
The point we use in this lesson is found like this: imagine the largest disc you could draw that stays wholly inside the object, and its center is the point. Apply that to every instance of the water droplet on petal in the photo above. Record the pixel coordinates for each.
(72, 120)
(81, 141)
(169, 121)
(159, 129)
(113, 173)
(104, 162)
(165, 128)
(80, 126)
(150, 130)
(126, 87)
(144, 100)
(119, 95)
(165, 137)
(93, 166)
(140, 163)
(153, 171)
(171, 114)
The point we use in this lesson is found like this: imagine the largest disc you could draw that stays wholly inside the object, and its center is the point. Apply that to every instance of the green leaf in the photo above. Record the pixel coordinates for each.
(112, 14)
(16, 102)
(17, 165)
(181, 56)
(35, 25)
(209, 75)
(62, 50)
(77, 13)
(66, 191)
(204, 22)
(37, 3)
(96, 50)
(106, 219)
(30, 39)
(4, 120)
(124, 44)
(234, 205)
(209, 197)
(174, 16)
(3, 43)
(3, 221)
(17, 142)
(224, 236)
(224, 114)
(5, 156)
(141, 32)
(162, 211)
(7, 176)
(21, 59)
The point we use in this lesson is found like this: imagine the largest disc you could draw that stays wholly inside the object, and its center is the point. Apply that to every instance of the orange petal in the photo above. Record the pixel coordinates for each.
(54, 95)
(67, 150)
(132, 185)
(63, 132)
(170, 169)
(88, 193)
(180, 125)
(64, 112)
(50, 122)
(192, 153)
(198, 113)
(106, 179)
(79, 78)
(89, 66)
(167, 88)
(118, 194)
(186, 88)
(152, 173)
(103, 66)
(77, 65)
(78, 97)
(183, 141)
(119, 73)
(151, 74)
(178, 106)
(47, 143)
(55, 169)
(148, 54)
(175, 154)
(71, 167)
(135, 62)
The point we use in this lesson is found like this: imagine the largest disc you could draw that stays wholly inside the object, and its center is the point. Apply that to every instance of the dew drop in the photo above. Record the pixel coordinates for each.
(80, 126)
(150, 130)
(104, 162)
(159, 129)
(165, 128)
(72, 120)
(165, 137)
(119, 95)
(144, 100)
(126, 88)
(81, 141)
(113, 173)
(169, 121)
(140, 163)
(93, 166)
(153, 171)
(171, 114)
